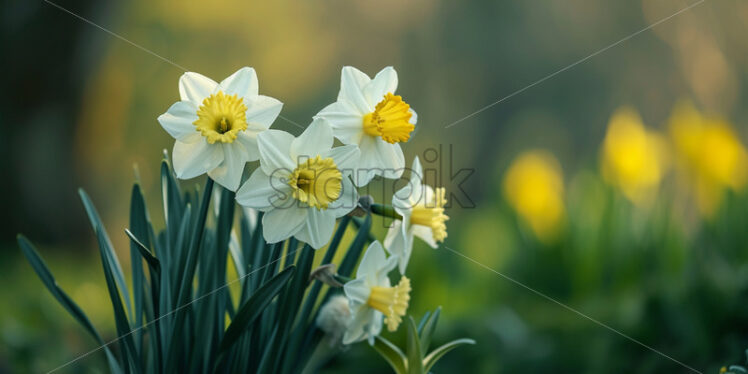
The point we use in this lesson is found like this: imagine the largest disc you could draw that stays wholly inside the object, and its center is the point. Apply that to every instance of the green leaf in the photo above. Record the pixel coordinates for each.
(252, 309)
(422, 322)
(434, 356)
(138, 222)
(114, 265)
(151, 260)
(354, 251)
(124, 331)
(415, 357)
(392, 354)
(185, 287)
(75, 311)
(428, 329)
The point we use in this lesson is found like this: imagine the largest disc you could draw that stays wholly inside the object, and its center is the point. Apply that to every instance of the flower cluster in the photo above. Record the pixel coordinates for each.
(303, 184)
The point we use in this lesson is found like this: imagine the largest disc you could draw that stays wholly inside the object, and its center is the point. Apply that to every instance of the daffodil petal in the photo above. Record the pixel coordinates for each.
(193, 159)
(195, 87)
(425, 234)
(275, 148)
(399, 244)
(178, 121)
(243, 83)
(248, 139)
(316, 140)
(352, 82)
(357, 291)
(263, 192)
(318, 229)
(391, 158)
(368, 165)
(346, 121)
(357, 330)
(413, 117)
(383, 83)
(262, 111)
(374, 259)
(347, 201)
(282, 223)
(345, 157)
(229, 173)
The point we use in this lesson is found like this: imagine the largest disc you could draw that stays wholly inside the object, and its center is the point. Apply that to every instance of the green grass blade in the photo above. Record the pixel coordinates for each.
(434, 356)
(428, 329)
(391, 353)
(422, 322)
(75, 311)
(153, 263)
(413, 351)
(252, 309)
(139, 224)
(124, 330)
(180, 253)
(354, 251)
(114, 265)
(290, 303)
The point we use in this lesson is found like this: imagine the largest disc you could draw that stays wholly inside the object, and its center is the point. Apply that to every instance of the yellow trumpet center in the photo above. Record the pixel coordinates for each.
(221, 117)
(390, 120)
(431, 214)
(316, 182)
(391, 301)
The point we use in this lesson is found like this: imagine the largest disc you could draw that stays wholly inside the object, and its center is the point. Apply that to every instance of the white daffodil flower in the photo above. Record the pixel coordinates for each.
(302, 184)
(370, 115)
(422, 211)
(372, 297)
(216, 125)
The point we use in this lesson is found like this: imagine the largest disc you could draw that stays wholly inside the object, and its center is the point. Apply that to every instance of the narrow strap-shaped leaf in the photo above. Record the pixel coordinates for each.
(354, 251)
(237, 257)
(290, 303)
(153, 263)
(114, 265)
(358, 222)
(312, 336)
(171, 196)
(124, 330)
(434, 356)
(311, 300)
(184, 290)
(180, 250)
(249, 312)
(414, 355)
(329, 255)
(75, 311)
(194, 245)
(422, 322)
(138, 223)
(392, 354)
(428, 329)
(223, 238)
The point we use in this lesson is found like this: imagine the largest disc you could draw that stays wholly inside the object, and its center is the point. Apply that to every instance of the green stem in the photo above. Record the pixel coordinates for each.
(343, 279)
(385, 211)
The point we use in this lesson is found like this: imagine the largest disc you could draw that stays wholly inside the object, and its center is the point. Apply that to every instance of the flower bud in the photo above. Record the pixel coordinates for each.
(334, 318)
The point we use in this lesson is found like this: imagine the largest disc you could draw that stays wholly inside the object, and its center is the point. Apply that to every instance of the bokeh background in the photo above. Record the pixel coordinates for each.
(617, 186)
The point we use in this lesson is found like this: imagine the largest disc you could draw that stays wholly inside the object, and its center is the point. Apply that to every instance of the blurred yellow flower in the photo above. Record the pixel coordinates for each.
(633, 158)
(710, 155)
(534, 187)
